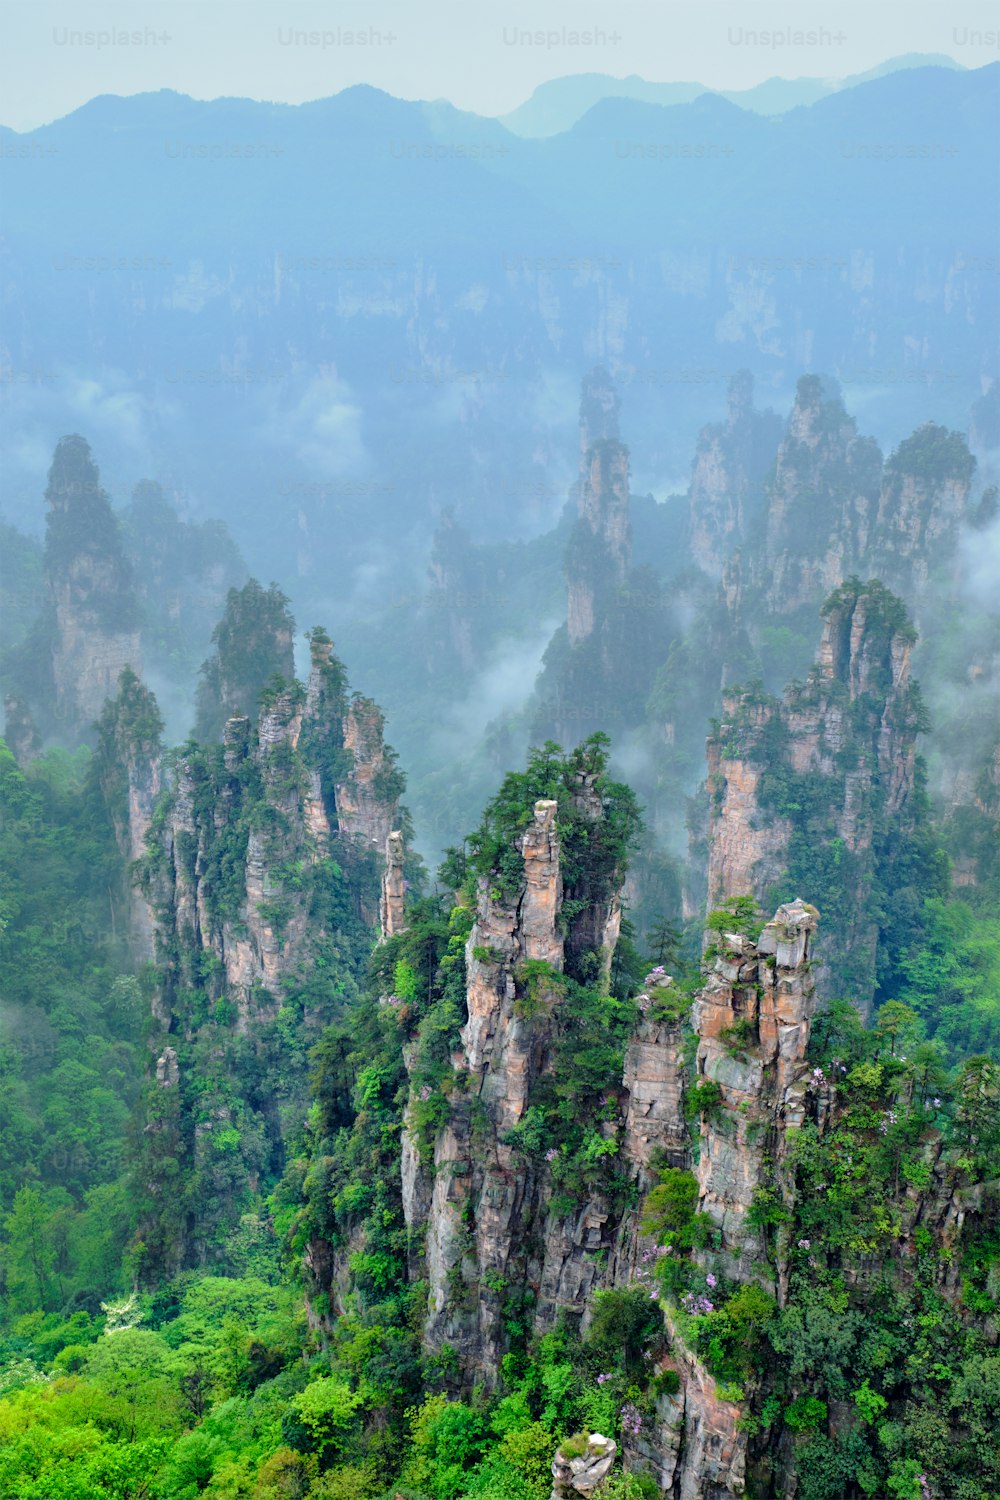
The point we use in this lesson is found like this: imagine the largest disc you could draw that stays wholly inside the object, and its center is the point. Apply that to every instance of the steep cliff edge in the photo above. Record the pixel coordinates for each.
(130, 761)
(731, 462)
(686, 1217)
(69, 665)
(752, 1019)
(247, 830)
(264, 884)
(494, 1189)
(599, 666)
(824, 789)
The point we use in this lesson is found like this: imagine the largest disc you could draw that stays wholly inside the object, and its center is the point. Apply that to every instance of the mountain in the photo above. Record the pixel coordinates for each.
(557, 104)
(301, 372)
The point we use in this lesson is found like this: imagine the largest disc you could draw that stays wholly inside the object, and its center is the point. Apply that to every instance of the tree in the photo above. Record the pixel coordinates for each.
(29, 1253)
(892, 1019)
(253, 644)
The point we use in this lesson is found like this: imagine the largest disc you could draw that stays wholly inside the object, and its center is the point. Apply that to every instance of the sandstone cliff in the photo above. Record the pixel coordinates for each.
(730, 465)
(823, 784)
(130, 755)
(246, 832)
(600, 665)
(482, 1194)
(94, 631)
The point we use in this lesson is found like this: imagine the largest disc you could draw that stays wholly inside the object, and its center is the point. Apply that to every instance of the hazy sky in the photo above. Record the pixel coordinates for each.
(54, 56)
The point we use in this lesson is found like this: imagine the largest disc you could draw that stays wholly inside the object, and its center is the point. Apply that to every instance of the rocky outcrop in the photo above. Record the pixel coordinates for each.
(20, 729)
(829, 508)
(367, 799)
(836, 759)
(752, 1019)
(600, 407)
(583, 1473)
(253, 647)
(492, 1230)
(923, 500)
(695, 1446)
(601, 545)
(600, 665)
(130, 758)
(242, 837)
(94, 617)
(392, 918)
(821, 501)
(503, 1051)
(731, 462)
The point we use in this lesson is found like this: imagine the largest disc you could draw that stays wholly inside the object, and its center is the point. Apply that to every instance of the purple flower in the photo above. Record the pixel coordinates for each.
(602, 1378)
(630, 1419)
(936, 1102)
(711, 1279)
(804, 1244)
(696, 1306)
(664, 1249)
(643, 1002)
(551, 1153)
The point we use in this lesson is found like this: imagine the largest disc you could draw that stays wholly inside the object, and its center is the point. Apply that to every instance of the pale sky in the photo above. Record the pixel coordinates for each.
(54, 56)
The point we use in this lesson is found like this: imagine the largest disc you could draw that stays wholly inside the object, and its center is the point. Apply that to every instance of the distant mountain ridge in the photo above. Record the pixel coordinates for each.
(559, 103)
(280, 308)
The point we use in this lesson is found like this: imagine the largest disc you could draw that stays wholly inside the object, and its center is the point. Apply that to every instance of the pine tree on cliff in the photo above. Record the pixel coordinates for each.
(253, 644)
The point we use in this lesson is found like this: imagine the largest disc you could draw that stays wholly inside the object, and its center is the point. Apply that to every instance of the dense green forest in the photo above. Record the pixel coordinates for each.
(327, 1175)
(217, 1382)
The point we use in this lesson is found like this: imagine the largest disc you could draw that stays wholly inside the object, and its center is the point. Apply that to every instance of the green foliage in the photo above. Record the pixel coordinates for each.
(702, 1099)
(739, 914)
(70, 1037)
(83, 541)
(805, 1413)
(593, 854)
(253, 645)
(622, 1324)
(951, 977)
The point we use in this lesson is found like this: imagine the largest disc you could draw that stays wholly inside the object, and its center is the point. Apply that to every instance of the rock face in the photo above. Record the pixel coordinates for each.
(392, 918)
(730, 465)
(486, 1209)
(364, 810)
(836, 759)
(584, 1472)
(601, 546)
(239, 833)
(752, 1019)
(923, 500)
(805, 510)
(821, 500)
(20, 729)
(94, 631)
(130, 754)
